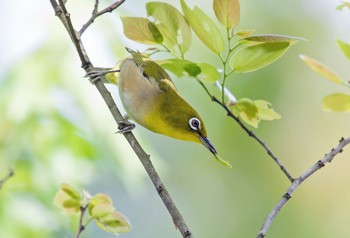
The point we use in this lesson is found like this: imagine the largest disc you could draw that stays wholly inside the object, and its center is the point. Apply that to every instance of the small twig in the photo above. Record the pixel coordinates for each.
(7, 177)
(64, 16)
(296, 183)
(81, 227)
(249, 132)
(96, 13)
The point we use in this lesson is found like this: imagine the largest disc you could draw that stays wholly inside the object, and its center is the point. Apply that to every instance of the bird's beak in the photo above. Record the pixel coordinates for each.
(206, 142)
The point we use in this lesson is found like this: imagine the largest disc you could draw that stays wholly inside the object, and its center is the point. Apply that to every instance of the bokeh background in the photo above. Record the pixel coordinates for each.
(55, 128)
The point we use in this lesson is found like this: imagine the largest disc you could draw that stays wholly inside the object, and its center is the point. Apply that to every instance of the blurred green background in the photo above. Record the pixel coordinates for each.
(56, 128)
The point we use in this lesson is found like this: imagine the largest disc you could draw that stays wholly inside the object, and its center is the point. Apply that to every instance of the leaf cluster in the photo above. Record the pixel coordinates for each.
(100, 209)
(167, 29)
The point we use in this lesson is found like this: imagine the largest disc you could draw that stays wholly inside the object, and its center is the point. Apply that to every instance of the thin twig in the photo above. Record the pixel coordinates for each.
(249, 132)
(7, 177)
(81, 227)
(296, 183)
(64, 16)
(96, 13)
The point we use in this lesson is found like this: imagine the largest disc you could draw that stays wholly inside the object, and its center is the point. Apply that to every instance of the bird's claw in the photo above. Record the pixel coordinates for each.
(125, 126)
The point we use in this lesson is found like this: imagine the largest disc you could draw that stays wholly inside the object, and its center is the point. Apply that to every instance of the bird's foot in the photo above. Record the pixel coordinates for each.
(95, 74)
(125, 126)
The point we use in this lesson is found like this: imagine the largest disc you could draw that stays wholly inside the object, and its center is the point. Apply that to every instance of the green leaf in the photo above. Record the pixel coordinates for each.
(265, 112)
(68, 198)
(204, 27)
(245, 33)
(336, 102)
(246, 109)
(209, 74)
(272, 38)
(321, 69)
(344, 47)
(192, 69)
(172, 24)
(254, 57)
(141, 30)
(203, 71)
(227, 12)
(252, 112)
(101, 210)
(99, 199)
(223, 162)
(114, 222)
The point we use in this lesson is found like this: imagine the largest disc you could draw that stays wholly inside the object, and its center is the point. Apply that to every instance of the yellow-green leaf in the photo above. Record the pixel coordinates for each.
(265, 112)
(246, 109)
(114, 222)
(270, 38)
(254, 57)
(68, 199)
(227, 12)
(141, 30)
(101, 210)
(203, 71)
(321, 69)
(344, 47)
(204, 27)
(172, 24)
(99, 199)
(336, 102)
(209, 73)
(245, 33)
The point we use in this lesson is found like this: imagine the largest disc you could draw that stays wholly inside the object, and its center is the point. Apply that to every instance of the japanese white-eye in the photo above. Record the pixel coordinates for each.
(151, 99)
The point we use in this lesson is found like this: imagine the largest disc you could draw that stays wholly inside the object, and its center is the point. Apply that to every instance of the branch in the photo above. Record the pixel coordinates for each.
(229, 113)
(96, 13)
(7, 177)
(178, 220)
(81, 227)
(296, 183)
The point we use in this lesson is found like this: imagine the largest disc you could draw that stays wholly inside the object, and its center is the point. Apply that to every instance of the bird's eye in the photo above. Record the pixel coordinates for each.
(194, 123)
(145, 75)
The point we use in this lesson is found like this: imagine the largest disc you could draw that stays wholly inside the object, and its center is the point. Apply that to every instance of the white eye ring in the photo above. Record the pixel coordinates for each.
(195, 123)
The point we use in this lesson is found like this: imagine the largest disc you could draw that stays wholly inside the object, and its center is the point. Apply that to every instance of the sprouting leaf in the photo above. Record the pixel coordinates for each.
(336, 102)
(254, 57)
(99, 199)
(344, 47)
(209, 73)
(265, 112)
(321, 69)
(252, 112)
(68, 198)
(141, 30)
(245, 33)
(227, 12)
(101, 210)
(203, 71)
(172, 24)
(270, 38)
(246, 109)
(114, 222)
(204, 27)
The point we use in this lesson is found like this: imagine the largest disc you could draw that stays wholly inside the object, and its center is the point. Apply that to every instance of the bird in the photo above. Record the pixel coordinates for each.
(151, 99)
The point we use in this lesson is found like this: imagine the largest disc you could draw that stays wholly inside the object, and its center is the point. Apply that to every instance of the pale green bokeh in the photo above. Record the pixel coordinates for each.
(56, 128)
